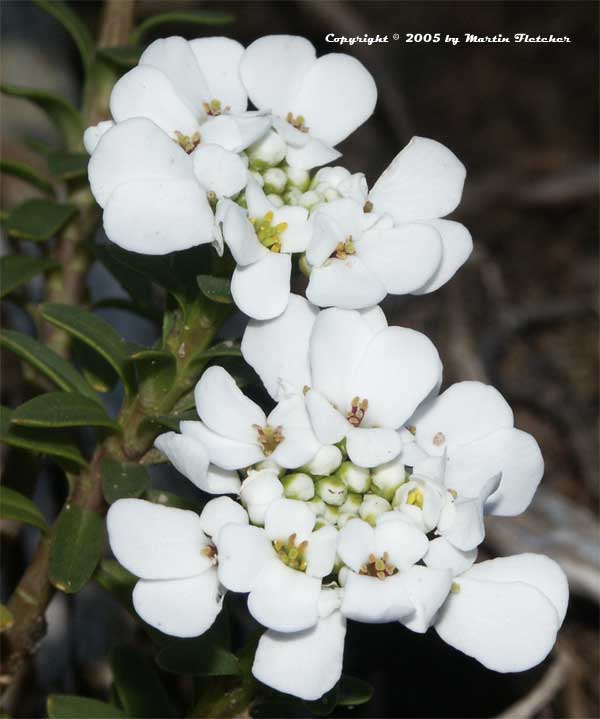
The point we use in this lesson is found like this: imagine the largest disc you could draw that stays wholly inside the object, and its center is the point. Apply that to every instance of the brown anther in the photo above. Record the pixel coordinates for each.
(297, 122)
(357, 411)
(269, 438)
(439, 438)
(292, 539)
(343, 249)
(210, 551)
(187, 143)
(380, 568)
(368, 206)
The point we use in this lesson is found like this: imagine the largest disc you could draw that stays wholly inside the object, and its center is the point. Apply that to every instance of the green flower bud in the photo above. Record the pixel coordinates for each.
(331, 514)
(316, 506)
(275, 180)
(325, 461)
(386, 478)
(298, 486)
(332, 491)
(357, 479)
(268, 464)
(292, 197)
(309, 199)
(275, 200)
(372, 506)
(298, 178)
(344, 518)
(352, 503)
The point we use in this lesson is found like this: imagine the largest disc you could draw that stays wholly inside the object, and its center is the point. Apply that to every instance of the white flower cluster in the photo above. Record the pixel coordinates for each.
(362, 494)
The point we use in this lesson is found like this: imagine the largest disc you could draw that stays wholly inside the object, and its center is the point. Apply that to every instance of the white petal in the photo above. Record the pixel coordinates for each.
(336, 96)
(286, 517)
(443, 555)
(511, 452)
(148, 92)
(347, 283)
(179, 607)
(221, 481)
(423, 182)
(296, 236)
(219, 512)
(219, 60)
(356, 541)
(284, 599)
(156, 542)
(402, 258)
(272, 69)
(370, 447)
(318, 651)
(508, 627)
(328, 424)
(466, 411)
(375, 601)
(278, 349)
(122, 156)
(537, 570)
(173, 56)
(314, 154)
(404, 543)
(243, 551)
(235, 132)
(299, 443)
(375, 318)
(219, 170)
(187, 455)
(239, 234)
(334, 222)
(262, 290)
(427, 590)
(292, 137)
(397, 371)
(224, 408)
(457, 246)
(155, 217)
(92, 135)
(256, 201)
(224, 452)
(320, 555)
(461, 523)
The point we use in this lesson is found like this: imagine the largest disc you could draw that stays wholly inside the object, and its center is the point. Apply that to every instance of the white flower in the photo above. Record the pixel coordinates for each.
(365, 379)
(281, 565)
(258, 491)
(317, 103)
(471, 424)
(235, 433)
(506, 612)
(171, 551)
(325, 461)
(305, 664)
(262, 241)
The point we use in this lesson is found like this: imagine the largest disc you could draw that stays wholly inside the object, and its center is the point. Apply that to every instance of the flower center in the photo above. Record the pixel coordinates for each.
(343, 249)
(214, 108)
(292, 554)
(187, 143)
(415, 498)
(368, 206)
(269, 235)
(357, 411)
(379, 567)
(269, 438)
(210, 551)
(297, 122)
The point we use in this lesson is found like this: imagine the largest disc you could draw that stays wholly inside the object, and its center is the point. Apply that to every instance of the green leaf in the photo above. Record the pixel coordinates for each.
(201, 656)
(38, 220)
(216, 289)
(54, 443)
(168, 499)
(68, 165)
(97, 372)
(353, 691)
(171, 421)
(122, 479)
(156, 367)
(92, 331)
(61, 113)
(16, 270)
(47, 362)
(205, 17)
(228, 348)
(62, 409)
(123, 57)
(115, 579)
(138, 686)
(69, 706)
(27, 174)
(73, 25)
(6, 618)
(14, 505)
(76, 547)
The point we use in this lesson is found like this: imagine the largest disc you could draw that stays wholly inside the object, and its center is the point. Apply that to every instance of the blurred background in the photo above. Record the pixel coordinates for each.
(522, 314)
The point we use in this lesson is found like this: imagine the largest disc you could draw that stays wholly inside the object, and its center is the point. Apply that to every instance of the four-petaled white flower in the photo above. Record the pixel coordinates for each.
(172, 551)
(362, 379)
(281, 566)
(316, 103)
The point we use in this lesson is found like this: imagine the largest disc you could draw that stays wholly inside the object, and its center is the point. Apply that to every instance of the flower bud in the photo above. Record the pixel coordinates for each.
(316, 506)
(298, 178)
(386, 478)
(325, 461)
(292, 197)
(298, 486)
(332, 491)
(275, 200)
(257, 492)
(372, 506)
(309, 199)
(352, 503)
(268, 464)
(344, 518)
(304, 266)
(331, 514)
(357, 479)
(275, 180)
(267, 152)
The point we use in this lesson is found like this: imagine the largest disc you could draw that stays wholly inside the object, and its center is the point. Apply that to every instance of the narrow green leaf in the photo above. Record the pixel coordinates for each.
(228, 348)
(68, 165)
(76, 547)
(38, 220)
(17, 270)
(137, 286)
(122, 479)
(27, 174)
(118, 303)
(138, 686)
(123, 57)
(14, 505)
(200, 656)
(205, 17)
(54, 442)
(92, 331)
(6, 618)
(216, 289)
(62, 409)
(69, 706)
(51, 365)
(353, 691)
(73, 25)
(61, 113)
(97, 372)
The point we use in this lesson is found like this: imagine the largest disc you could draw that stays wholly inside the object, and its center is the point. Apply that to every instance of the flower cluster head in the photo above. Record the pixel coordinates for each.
(362, 493)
